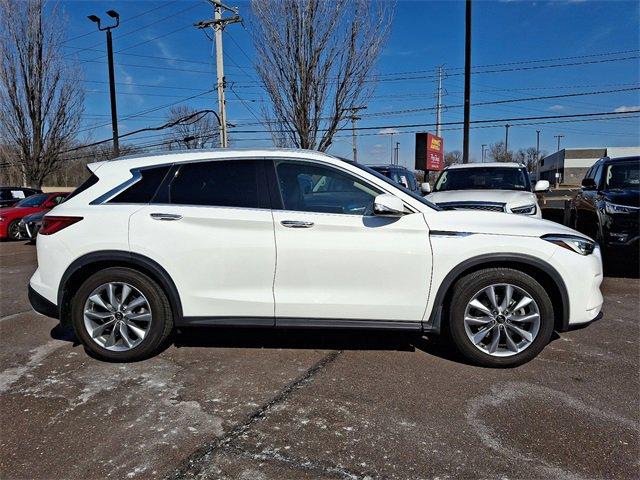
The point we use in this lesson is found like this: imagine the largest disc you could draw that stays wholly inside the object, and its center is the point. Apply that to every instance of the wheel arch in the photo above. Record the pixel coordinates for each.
(542, 271)
(86, 265)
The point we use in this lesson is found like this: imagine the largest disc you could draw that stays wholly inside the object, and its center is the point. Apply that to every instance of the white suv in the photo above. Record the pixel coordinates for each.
(497, 187)
(292, 238)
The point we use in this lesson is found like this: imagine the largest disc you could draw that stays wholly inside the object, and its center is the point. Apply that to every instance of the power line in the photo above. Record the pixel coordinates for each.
(154, 109)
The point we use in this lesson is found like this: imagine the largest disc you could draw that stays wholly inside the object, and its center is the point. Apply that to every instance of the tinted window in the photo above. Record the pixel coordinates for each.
(597, 174)
(89, 182)
(622, 176)
(144, 189)
(309, 187)
(483, 178)
(232, 183)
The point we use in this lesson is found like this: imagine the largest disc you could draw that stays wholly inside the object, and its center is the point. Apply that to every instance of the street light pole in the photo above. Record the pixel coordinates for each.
(506, 142)
(112, 81)
(467, 83)
(537, 154)
(354, 117)
(558, 157)
(484, 145)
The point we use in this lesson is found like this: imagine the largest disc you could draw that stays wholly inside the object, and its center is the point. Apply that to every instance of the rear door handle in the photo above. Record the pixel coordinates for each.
(165, 216)
(296, 224)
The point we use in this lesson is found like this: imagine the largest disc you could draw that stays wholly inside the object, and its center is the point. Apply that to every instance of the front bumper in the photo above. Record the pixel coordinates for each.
(42, 305)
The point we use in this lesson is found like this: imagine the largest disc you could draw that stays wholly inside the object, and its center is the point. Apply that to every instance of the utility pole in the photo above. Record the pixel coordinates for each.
(558, 157)
(392, 148)
(354, 117)
(467, 82)
(506, 142)
(217, 24)
(537, 154)
(484, 145)
(112, 81)
(439, 103)
(396, 152)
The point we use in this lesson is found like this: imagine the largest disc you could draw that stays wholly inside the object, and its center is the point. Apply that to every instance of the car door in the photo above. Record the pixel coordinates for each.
(210, 227)
(586, 204)
(338, 261)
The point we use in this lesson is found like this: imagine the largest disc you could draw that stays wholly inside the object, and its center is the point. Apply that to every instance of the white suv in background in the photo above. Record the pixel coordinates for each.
(150, 243)
(496, 187)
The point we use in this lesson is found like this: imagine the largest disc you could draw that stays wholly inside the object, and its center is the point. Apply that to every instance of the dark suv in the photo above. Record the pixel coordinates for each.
(401, 175)
(608, 208)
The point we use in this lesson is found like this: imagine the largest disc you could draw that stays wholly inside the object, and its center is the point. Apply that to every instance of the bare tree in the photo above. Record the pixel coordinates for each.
(452, 157)
(197, 131)
(41, 98)
(528, 157)
(498, 154)
(315, 59)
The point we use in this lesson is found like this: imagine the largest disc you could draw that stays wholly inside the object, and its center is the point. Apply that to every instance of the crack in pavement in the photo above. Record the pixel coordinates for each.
(307, 465)
(195, 464)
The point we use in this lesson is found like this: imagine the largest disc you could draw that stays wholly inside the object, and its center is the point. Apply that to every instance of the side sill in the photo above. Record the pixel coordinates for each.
(331, 323)
(311, 323)
(226, 322)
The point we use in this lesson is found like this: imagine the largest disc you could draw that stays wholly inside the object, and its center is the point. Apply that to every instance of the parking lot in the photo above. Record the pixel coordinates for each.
(257, 404)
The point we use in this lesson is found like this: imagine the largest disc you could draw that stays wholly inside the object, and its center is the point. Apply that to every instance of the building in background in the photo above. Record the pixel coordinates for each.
(572, 163)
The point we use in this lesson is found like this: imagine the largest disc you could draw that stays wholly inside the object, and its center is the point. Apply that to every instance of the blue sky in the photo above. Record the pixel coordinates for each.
(424, 34)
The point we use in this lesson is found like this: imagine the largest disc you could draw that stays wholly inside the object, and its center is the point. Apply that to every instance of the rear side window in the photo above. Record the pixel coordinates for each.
(228, 183)
(144, 189)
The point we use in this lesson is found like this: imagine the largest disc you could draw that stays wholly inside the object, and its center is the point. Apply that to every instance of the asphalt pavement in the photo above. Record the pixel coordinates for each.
(268, 404)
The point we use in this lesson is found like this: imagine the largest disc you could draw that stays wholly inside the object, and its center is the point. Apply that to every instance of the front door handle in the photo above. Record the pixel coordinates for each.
(296, 224)
(165, 216)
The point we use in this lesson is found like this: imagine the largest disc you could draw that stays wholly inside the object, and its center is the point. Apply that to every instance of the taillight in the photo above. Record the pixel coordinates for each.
(52, 224)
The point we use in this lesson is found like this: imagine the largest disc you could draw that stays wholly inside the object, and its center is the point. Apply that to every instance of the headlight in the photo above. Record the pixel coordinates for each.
(526, 210)
(579, 245)
(615, 208)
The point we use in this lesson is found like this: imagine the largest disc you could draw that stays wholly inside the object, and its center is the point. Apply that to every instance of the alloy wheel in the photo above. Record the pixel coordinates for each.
(117, 316)
(502, 320)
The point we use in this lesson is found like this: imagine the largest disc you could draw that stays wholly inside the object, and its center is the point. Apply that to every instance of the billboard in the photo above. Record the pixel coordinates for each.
(429, 152)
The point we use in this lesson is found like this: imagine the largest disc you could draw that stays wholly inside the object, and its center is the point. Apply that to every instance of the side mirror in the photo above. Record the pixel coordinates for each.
(388, 205)
(542, 186)
(588, 184)
(48, 204)
(425, 188)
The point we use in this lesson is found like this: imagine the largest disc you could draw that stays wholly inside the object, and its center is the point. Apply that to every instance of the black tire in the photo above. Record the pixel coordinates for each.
(13, 231)
(161, 323)
(464, 291)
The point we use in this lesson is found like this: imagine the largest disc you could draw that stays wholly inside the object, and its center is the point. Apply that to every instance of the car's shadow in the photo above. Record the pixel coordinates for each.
(303, 339)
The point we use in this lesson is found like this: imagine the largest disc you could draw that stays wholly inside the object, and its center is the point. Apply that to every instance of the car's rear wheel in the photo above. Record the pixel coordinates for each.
(13, 230)
(500, 317)
(120, 314)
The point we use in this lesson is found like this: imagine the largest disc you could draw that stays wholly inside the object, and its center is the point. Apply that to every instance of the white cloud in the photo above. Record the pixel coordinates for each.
(556, 108)
(388, 131)
(624, 108)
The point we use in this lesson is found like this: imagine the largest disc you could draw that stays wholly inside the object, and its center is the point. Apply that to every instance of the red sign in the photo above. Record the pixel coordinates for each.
(429, 152)
(435, 153)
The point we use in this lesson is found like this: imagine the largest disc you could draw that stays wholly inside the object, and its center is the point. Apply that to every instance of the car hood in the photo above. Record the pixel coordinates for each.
(630, 198)
(495, 223)
(512, 198)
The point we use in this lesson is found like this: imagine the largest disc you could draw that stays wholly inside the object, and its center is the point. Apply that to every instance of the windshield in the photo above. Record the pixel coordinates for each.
(33, 200)
(394, 184)
(622, 176)
(483, 178)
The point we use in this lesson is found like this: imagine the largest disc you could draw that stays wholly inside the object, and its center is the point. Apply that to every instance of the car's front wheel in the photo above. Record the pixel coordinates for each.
(121, 315)
(13, 230)
(500, 317)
